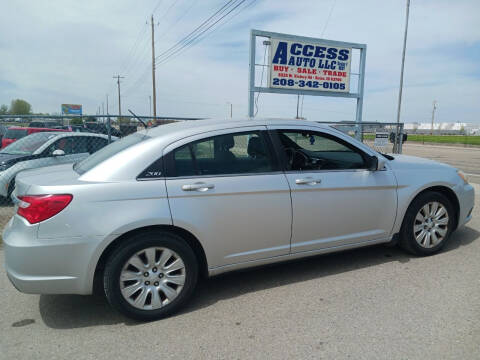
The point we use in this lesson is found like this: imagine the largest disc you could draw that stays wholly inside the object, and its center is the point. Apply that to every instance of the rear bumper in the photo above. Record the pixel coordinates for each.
(46, 266)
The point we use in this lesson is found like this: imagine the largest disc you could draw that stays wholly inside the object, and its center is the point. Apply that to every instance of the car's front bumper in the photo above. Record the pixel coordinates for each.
(46, 266)
(466, 199)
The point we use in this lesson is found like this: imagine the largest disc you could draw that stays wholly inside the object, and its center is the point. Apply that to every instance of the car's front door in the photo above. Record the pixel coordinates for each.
(226, 188)
(75, 148)
(336, 200)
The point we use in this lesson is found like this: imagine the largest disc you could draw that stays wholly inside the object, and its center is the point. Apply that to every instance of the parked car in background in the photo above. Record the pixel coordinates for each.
(75, 128)
(16, 132)
(44, 149)
(45, 124)
(150, 213)
(101, 128)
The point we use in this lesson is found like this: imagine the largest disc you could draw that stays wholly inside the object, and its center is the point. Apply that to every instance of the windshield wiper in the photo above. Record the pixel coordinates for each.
(389, 157)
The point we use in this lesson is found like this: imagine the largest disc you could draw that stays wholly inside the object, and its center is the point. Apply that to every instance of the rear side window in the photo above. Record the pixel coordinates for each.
(95, 143)
(15, 133)
(239, 153)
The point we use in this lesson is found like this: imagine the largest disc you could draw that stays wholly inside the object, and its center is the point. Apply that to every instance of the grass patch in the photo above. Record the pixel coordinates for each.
(440, 139)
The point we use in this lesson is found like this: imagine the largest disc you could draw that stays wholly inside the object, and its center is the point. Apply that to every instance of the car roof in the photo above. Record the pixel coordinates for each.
(72, 133)
(192, 127)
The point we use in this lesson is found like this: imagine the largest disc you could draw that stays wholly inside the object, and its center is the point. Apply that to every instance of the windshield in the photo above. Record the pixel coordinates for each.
(27, 145)
(15, 133)
(108, 151)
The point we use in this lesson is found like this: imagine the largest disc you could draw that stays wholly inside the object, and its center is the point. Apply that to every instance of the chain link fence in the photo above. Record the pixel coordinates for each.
(29, 142)
(382, 137)
(35, 141)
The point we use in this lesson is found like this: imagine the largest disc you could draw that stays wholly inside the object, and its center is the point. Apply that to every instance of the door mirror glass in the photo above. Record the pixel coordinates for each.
(58, 152)
(373, 163)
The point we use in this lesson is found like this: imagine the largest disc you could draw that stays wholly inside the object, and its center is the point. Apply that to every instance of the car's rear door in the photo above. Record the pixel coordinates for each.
(336, 200)
(226, 188)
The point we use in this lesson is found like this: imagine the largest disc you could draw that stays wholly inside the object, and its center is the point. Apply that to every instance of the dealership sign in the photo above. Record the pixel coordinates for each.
(70, 109)
(309, 66)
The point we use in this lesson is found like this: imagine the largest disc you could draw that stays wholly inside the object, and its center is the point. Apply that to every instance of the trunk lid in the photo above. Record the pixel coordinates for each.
(55, 178)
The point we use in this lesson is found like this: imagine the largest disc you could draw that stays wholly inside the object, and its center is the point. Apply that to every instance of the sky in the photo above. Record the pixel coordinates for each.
(66, 51)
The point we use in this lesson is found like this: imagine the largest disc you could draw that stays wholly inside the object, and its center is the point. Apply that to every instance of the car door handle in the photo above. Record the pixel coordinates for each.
(200, 186)
(308, 181)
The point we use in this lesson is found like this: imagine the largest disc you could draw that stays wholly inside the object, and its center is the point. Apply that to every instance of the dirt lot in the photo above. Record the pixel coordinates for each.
(466, 159)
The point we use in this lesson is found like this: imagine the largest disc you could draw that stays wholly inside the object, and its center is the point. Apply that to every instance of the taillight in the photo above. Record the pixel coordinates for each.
(36, 208)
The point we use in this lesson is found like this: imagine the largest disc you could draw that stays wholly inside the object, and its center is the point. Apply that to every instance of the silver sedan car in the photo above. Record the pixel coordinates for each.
(151, 213)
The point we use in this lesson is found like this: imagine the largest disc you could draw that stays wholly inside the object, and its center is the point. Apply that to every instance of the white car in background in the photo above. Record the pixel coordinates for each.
(44, 149)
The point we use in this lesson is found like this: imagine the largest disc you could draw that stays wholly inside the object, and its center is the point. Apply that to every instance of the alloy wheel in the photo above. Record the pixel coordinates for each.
(431, 224)
(152, 278)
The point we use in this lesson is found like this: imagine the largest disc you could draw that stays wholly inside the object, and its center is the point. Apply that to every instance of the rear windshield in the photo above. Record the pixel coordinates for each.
(15, 133)
(108, 151)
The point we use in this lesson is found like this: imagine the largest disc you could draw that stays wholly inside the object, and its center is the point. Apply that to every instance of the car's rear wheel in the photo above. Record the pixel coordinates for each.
(151, 276)
(427, 224)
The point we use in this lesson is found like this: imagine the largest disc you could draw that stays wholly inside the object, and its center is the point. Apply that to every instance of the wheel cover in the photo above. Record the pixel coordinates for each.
(152, 278)
(431, 224)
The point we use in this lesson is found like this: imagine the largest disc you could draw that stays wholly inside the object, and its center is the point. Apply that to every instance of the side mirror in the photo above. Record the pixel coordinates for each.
(375, 163)
(58, 152)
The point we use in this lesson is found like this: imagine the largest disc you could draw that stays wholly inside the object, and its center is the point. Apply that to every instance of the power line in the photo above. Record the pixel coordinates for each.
(179, 43)
(328, 18)
(196, 39)
(193, 41)
(185, 41)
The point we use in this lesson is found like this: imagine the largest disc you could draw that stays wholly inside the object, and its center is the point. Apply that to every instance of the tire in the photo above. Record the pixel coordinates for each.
(161, 293)
(439, 227)
(11, 188)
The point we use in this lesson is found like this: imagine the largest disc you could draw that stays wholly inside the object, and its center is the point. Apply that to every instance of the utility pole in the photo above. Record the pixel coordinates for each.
(433, 114)
(153, 71)
(150, 104)
(103, 112)
(397, 137)
(298, 103)
(118, 77)
(108, 125)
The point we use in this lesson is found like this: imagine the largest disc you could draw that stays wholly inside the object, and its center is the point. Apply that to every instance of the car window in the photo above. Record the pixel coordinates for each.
(239, 153)
(15, 133)
(311, 150)
(65, 144)
(80, 144)
(95, 143)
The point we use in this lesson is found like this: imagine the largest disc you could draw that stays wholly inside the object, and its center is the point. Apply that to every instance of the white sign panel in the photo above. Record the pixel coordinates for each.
(381, 139)
(309, 66)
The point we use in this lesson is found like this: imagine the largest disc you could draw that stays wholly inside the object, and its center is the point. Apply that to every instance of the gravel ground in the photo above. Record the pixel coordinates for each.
(371, 303)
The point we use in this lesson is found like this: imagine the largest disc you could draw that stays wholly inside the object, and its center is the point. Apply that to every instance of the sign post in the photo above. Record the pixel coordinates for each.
(307, 66)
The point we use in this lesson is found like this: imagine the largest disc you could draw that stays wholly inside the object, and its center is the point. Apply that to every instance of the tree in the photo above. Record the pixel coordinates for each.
(3, 109)
(20, 107)
(76, 121)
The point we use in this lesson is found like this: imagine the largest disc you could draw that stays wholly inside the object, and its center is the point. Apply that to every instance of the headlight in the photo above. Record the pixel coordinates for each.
(463, 176)
(4, 167)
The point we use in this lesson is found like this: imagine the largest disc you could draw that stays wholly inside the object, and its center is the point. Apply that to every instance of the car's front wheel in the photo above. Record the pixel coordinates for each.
(151, 276)
(427, 224)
